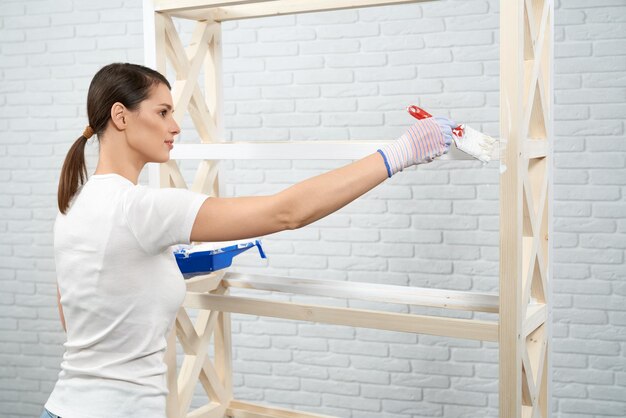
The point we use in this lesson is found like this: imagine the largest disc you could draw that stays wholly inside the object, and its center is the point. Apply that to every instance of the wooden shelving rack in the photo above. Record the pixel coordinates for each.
(525, 153)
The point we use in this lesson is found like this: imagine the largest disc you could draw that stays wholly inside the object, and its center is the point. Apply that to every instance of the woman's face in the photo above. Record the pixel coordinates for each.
(151, 133)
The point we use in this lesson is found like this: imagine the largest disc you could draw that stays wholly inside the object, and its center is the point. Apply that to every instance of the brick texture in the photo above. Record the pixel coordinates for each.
(338, 75)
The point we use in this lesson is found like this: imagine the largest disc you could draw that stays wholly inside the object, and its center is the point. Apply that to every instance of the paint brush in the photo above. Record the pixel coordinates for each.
(468, 140)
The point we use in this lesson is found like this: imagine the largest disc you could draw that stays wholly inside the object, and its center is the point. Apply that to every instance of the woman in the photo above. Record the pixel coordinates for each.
(119, 287)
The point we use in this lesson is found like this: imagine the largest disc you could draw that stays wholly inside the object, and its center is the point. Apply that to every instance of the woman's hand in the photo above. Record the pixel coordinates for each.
(421, 143)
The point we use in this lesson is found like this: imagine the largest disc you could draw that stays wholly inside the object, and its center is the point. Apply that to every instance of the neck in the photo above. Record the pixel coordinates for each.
(113, 159)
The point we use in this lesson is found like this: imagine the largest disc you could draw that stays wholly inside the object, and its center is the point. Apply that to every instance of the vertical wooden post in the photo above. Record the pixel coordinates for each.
(546, 393)
(150, 45)
(526, 28)
(213, 84)
(511, 212)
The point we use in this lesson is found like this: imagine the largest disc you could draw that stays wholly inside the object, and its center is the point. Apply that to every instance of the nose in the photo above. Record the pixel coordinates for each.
(175, 129)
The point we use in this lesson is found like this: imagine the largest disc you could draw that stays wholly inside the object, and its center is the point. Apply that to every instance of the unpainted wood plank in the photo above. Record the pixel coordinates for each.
(240, 409)
(292, 150)
(223, 351)
(447, 299)
(192, 364)
(534, 88)
(196, 106)
(205, 180)
(433, 325)
(171, 5)
(160, 58)
(212, 383)
(186, 332)
(277, 8)
(511, 210)
(205, 282)
(210, 410)
(214, 81)
(195, 58)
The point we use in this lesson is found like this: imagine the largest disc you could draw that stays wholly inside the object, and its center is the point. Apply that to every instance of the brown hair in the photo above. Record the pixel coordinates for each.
(126, 83)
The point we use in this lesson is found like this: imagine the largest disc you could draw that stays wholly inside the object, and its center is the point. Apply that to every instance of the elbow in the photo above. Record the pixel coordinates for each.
(290, 215)
(290, 220)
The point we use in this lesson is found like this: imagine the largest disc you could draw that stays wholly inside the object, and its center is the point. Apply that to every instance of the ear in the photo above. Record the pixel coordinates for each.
(119, 114)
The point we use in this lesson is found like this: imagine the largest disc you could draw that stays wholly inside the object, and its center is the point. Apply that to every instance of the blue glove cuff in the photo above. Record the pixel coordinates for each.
(386, 162)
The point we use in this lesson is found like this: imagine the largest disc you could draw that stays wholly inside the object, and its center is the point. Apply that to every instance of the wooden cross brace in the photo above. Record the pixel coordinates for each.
(535, 183)
(195, 339)
(187, 62)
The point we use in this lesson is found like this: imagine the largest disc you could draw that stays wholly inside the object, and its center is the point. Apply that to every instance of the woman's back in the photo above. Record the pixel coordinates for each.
(121, 289)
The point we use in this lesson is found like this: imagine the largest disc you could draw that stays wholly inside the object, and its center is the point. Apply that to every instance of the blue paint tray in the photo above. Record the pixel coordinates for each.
(194, 260)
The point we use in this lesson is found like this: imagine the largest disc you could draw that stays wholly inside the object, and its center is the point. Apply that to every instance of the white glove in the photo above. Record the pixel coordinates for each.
(424, 141)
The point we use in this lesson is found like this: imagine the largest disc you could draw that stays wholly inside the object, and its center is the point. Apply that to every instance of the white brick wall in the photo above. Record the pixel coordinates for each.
(340, 75)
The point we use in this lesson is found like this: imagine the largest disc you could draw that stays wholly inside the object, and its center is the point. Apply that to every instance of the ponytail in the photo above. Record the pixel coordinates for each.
(73, 174)
(129, 84)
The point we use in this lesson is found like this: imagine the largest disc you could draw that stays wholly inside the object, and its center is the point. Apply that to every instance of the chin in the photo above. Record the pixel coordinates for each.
(161, 159)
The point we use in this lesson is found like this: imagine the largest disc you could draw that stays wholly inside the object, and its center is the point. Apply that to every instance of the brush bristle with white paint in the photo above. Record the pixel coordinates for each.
(474, 143)
(468, 140)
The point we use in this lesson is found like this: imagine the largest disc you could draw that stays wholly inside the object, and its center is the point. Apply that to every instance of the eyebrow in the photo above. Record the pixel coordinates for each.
(167, 105)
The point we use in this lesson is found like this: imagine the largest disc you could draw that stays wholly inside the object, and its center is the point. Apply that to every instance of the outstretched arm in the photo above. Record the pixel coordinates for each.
(226, 219)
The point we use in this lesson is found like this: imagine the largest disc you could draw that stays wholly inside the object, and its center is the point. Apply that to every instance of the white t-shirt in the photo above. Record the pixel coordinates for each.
(120, 290)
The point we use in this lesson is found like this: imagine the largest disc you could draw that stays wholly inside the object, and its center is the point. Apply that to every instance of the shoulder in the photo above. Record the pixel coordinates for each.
(141, 192)
(160, 199)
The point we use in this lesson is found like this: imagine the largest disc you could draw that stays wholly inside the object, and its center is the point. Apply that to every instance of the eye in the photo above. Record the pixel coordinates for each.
(163, 112)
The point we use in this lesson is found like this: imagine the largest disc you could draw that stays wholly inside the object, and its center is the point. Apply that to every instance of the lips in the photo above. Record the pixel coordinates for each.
(170, 144)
